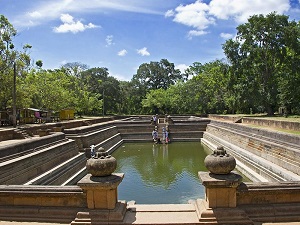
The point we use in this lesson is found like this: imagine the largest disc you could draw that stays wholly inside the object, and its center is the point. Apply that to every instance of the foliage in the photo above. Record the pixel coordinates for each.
(155, 101)
(259, 55)
(98, 81)
(262, 73)
(10, 59)
(156, 75)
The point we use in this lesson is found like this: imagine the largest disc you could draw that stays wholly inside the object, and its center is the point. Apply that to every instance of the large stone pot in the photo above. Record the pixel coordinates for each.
(101, 164)
(220, 162)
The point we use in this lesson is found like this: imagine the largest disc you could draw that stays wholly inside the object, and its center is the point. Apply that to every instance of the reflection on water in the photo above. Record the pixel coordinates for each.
(160, 173)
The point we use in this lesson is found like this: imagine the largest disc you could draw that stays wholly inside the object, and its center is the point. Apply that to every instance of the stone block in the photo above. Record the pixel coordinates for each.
(101, 191)
(220, 189)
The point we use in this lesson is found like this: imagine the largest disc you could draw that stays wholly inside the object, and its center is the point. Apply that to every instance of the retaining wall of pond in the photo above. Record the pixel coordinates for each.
(261, 154)
(274, 201)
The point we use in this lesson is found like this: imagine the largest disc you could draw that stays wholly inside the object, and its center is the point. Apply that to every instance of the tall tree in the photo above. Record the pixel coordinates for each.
(156, 75)
(258, 55)
(74, 68)
(212, 87)
(10, 58)
(98, 81)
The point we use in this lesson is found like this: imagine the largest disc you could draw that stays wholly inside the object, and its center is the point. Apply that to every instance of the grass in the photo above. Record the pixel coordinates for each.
(274, 129)
(290, 118)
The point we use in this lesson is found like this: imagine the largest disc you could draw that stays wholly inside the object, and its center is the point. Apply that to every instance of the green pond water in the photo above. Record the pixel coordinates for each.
(158, 173)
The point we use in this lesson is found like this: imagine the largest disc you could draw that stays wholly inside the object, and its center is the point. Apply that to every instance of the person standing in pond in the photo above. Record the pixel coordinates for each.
(167, 137)
(164, 134)
(154, 135)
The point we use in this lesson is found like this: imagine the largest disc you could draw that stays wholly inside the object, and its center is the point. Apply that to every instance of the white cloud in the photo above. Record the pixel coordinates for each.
(226, 36)
(194, 15)
(122, 52)
(200, 15)
(193, 33)
(143, 52)
(242, 10)
(35, 14)
(181, 67)
(109, 40)
(171, 13)
(50, 10)
(119, 76)
(66, 18)
(70, 25)
(63, 62)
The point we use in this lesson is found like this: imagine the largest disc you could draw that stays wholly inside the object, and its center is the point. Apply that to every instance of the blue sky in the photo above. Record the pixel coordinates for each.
(123, 34)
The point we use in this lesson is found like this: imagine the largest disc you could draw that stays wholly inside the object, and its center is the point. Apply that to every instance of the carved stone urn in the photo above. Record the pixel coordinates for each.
(219, 162)
(101, 164)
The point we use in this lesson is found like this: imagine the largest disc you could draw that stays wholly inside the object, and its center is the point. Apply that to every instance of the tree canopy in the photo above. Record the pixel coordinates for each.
(261, 72)
(264, 48)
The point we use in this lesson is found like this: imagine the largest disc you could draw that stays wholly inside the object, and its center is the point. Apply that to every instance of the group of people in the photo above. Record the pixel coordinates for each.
(165, 136)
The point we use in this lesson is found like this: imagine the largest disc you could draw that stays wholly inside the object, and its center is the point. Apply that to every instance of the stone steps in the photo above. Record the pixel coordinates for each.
(249, 166)
(258, 157)
(31, 150)
(30, 143)
(26, 167)
(85, 140)
(60, 173)
(284, 155)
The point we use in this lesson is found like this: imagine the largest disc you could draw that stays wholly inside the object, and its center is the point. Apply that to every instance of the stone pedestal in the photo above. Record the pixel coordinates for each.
(101, 192)
(102, 200)
(220, 190)
(220, 205)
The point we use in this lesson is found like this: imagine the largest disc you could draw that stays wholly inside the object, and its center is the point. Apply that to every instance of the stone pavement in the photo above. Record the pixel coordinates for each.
(27, 223)
(36, 223)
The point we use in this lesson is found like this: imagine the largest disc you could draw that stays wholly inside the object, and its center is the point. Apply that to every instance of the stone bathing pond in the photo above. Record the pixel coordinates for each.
(40, 175)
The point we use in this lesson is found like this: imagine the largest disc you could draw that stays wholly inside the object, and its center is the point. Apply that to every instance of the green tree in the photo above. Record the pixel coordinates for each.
(156, 75)
(131, 96)
(74, 68)
(183, 98)
(39, 63)
(10, 58)
(257, 56)
(49, 89)
(99, 82)
(155, 101)
(212, 87)
(193, 70)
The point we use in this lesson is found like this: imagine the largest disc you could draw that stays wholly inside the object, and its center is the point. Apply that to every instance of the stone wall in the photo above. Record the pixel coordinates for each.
(41, 203)
(268, 193)
(230, 201)
(272, 123)
(281, 124)
(224, 117)
(275, 153)
(30, 143)
(6, 134)
(270, 202)
(259, 202)
(86, 137)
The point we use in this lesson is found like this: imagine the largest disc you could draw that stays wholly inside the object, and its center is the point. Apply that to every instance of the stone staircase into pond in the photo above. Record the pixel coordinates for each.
(59, 158)
(261, 155)
(29, 159)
